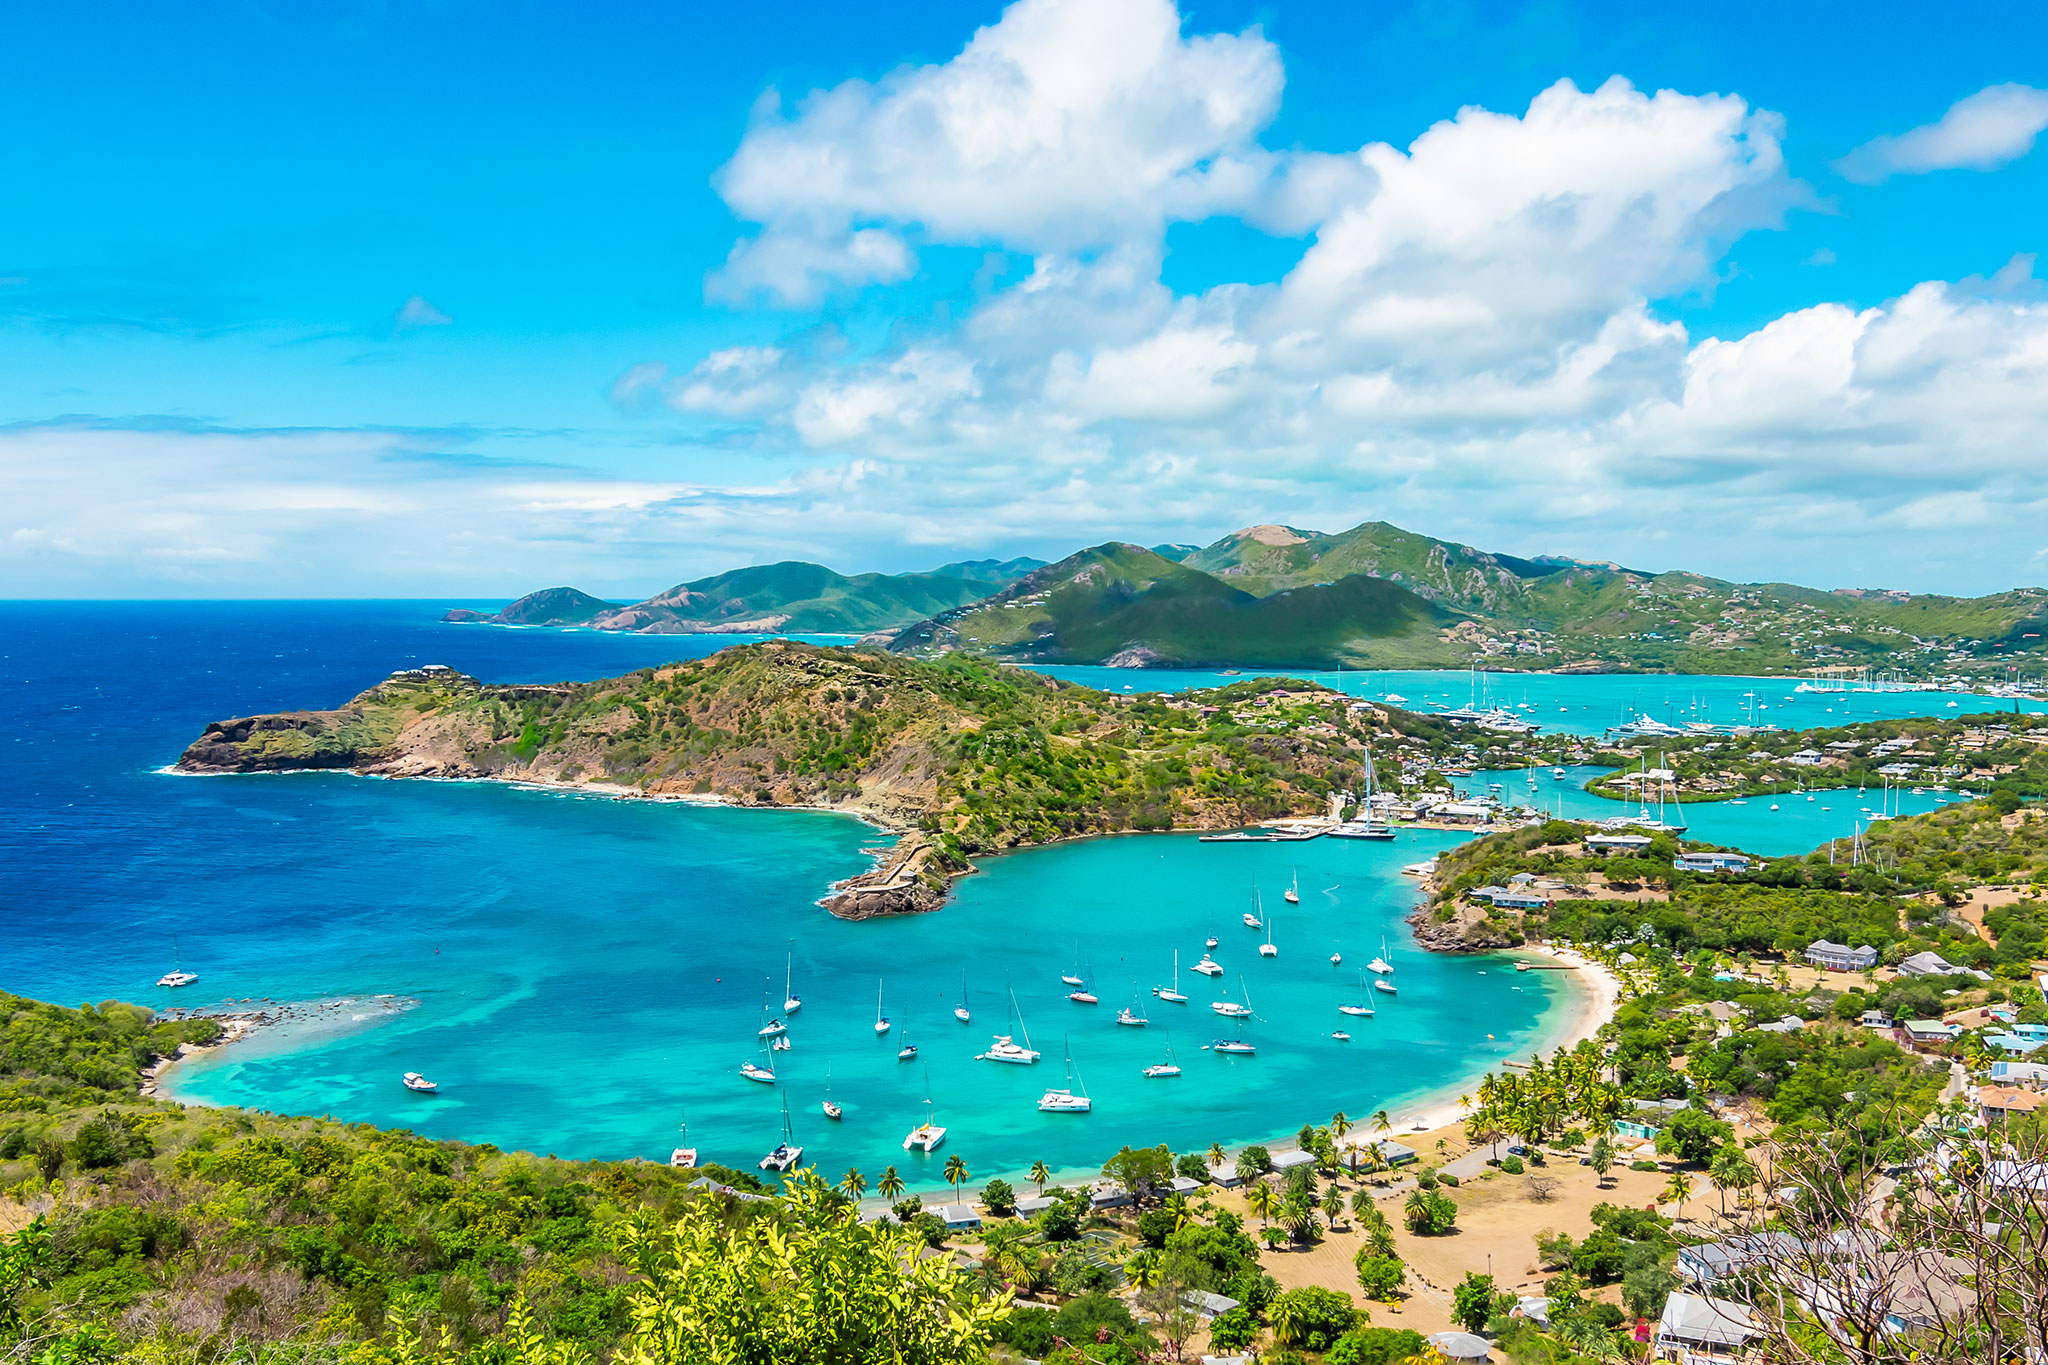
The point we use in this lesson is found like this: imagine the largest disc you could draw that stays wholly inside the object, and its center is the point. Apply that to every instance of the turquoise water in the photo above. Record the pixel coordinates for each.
(1586, 703)
(1800, 823)
(588, 970)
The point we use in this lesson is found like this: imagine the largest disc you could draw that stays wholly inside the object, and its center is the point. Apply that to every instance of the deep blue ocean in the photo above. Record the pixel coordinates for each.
(590, 973)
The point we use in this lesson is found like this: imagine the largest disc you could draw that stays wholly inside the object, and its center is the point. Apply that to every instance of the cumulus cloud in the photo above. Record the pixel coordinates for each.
(1980, 132)
(417, 312)
(1068, 124)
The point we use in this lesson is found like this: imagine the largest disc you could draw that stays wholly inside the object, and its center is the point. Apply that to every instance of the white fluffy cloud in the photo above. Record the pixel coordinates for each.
(1980, 132)
(1069, 124)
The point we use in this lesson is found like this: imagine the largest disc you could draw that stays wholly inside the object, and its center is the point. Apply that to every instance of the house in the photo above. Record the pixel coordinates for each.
(2033, 1075)
(1287, 1161)
(1931, 1032)
(1807, 758)
(1110, 1197)
(1876, 1019)
(1634, 1128)
(1628, 843)
(2015, 1043)
(1693, 1326)
(1934, 964)
(1182, 1184)
(1034, 1205)
(1790, 1023)
(1209, 1306)
(1711, 862)
(958, 1217)
(1840, 957)
(1709, 1263)
(2001, 1102)
(1506, 898)
(1391, 1152)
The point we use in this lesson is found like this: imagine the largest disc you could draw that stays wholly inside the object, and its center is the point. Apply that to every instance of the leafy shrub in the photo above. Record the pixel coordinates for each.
(1512, 1165)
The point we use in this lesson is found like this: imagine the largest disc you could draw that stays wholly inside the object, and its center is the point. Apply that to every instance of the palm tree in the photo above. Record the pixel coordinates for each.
(1731, 1170)
(1340, 1124)
(853, 1182)
(1182, 1212)
(1443, 1146)
(1143, 1268)
(1247, 1168)
(1215, 1154)
(1677, 1189)
(890, 1186)
(1333, 1205)
(1260, 1199)
(1382, 1123)
(956, 1173)
(1040, 1174)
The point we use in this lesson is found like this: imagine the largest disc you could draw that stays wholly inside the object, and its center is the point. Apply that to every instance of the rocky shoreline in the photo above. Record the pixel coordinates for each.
(241, 1020)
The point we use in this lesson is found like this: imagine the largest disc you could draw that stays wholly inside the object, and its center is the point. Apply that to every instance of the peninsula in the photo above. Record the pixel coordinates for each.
(956, 756)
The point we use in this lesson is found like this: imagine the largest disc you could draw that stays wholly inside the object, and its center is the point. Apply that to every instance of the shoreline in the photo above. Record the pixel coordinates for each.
(278, 1019)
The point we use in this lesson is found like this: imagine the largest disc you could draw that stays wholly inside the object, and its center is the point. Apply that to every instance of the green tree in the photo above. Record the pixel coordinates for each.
(999, 1198)
(1380, 1277)
(1691, 1135)
(1141, 1171)
(1429, 1212)
(890, 1185)
(1311, 1318)
(1473, 1300)
(1040, 1174)
(955, 1173)
(1601, 1159)
(853, 1182)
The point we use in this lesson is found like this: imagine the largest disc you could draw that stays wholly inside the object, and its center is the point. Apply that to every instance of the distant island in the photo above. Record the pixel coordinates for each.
(1375, 596)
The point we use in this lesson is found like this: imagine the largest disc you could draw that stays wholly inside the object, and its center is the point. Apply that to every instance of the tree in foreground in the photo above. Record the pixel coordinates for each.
(808, 1282)
(1473, 1301)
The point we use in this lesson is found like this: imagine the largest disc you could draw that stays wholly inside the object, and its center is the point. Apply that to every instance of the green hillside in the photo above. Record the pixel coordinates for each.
(1122, 603)
(548, 607)
(995, 572)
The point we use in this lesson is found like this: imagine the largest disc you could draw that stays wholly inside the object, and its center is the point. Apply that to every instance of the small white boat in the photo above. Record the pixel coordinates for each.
(1382, 984)
(416, 1082)
(832, 1111)
(786, 1153)
(960, 1011)
(1162, 1070)
(1209, 966)
(881, 1019)
(774, 1028)
(1356, 1011)
(1069, 979)
(1073, 1099)
(791, 1002)
(1341, 1036)
(1172, 996)
(1005, 1049)
(781, 1044)
(1267, 949)
(1292, 895)
(1252, 921)
(173, 980)
(1130, 1019)
(1073, 978)
(1233, 1045)
(754, 1071)
(1211, 942)
(907, 1052)
(1230, 1009)
(924, 1137)
(1336, 959)
(1084, 997)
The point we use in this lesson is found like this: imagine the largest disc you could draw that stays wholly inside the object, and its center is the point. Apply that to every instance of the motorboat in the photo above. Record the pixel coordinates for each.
(1337, 959)
(415, 1082)
(1341, 1036)
(1235, 1046)
(754, 1071)
(173, 980)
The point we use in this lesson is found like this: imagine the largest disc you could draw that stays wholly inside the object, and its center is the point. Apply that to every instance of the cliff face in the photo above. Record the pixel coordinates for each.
(1464, 928)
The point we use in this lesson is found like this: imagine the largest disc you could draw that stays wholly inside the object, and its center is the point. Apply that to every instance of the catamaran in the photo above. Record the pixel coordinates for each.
(881, 1020)
(1209, 966)
(1169, 1067)
(177, 976)
(1379, 966)
(1292, 895)
(926, 1135)
(1073, 1099)
(1173, 996)
(791, 1001)
(781, 1044)
(683, 1158)
(1005, 1049)
(786, 1153)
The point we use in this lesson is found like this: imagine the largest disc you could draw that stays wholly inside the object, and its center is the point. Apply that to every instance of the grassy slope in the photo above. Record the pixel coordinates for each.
(1114, 598)
(806, 597)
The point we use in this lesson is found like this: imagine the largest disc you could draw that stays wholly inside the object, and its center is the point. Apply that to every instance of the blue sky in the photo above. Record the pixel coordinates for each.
(454, 299)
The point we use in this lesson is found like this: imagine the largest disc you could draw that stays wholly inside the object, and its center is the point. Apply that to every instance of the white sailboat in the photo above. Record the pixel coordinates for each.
(927, 1135)
(1235, 1047)
(1356, 1011)
(1129, 1016)
(960, 1011)
(177, 976)
(881, 1020)
(684, 1157)
(1267, 949)
(1073, 1099)
(1230, 1009)
(1292, 895)
(1368, 823)
(1006, 1048)
(791, 1001)
(1073, 978)
(1173, 996)
(1336, 957)
(908, 1051)
(832, 1110)
(1168, 1068)
(786, 1153)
